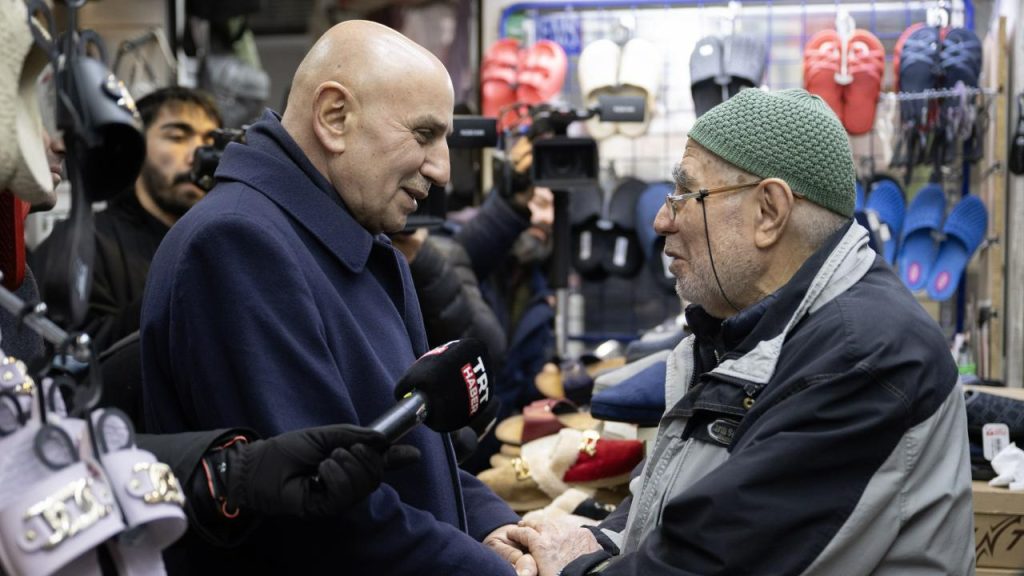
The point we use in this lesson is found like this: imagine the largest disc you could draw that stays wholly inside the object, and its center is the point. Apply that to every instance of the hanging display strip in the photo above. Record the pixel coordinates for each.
(675, 30)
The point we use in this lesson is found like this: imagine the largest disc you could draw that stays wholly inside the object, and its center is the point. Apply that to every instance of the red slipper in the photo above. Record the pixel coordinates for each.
(498, 76)
(866, 56)
(821, 62)
(541, 72)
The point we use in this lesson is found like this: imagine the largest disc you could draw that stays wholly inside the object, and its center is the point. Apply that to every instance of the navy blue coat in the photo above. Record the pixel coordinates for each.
(268, 306)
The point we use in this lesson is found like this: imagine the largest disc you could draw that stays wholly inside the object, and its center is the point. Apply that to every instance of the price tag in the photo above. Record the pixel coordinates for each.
(994, 437)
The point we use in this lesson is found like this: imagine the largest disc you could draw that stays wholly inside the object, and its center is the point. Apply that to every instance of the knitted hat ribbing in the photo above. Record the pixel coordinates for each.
(790, 134)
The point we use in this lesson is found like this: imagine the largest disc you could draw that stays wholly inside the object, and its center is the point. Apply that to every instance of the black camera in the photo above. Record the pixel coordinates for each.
(561, 162)
(206, 158)
(468, 133)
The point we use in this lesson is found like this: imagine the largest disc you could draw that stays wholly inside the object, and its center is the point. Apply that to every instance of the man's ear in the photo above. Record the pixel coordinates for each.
(775, 206)
(332, 115)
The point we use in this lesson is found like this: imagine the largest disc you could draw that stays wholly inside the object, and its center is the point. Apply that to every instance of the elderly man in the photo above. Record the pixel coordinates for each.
(815, 425)
(278, 303)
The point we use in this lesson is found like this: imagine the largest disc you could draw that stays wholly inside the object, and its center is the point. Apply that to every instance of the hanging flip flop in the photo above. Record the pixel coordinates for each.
(541, 72)
(866, 56)
(746, 58)
(886, 210)
(498, 76)
(707, 74)
(917, 251)
(965, 230)
(821, 63)
(598, 70)
(640, 70)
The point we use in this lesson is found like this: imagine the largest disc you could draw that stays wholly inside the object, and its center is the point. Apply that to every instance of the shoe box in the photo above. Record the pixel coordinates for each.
(999, 520)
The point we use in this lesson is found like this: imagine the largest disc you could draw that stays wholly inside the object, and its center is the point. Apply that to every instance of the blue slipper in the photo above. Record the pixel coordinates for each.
(961, 57)
(918, 246)
(639, 399)
(887, 204)
(647, 206)
(965, 230)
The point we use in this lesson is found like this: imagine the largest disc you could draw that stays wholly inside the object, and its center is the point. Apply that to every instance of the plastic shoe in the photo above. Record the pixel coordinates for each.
(498, 76)
(866, 64)
(887, 203)
(918, 68)
(624, 256)
(965, 230)
(541, 72)
(917, 251)
(960, 58)
(598, 69)
(708, 80)
(821, 63)
(23, 165)
(640, 69)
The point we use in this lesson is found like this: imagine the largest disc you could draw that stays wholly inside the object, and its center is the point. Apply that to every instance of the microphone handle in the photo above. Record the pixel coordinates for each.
(402, 418)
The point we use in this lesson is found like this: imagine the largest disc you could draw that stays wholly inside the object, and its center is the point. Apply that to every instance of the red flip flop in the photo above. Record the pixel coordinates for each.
(821, 62)
(541, 72)
(498, 76)
(866, 57)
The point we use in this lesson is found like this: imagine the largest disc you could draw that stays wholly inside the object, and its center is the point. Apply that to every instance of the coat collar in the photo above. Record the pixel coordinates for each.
(272, 163)
(752, 339)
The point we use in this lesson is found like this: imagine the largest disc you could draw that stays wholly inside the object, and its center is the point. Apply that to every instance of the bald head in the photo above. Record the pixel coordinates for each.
(371, 110)
(363, 56)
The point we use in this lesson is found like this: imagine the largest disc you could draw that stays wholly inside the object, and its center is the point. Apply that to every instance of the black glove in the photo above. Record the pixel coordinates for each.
(310, 473)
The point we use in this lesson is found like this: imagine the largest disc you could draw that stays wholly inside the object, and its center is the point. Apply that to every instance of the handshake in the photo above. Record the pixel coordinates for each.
(542, 546)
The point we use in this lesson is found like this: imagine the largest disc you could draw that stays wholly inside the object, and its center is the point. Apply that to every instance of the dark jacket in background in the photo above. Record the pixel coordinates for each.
(449, 296)
(126, 239)
(270, 307)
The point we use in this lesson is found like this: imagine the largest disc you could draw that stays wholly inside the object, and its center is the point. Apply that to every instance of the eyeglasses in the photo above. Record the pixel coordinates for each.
(675, 202)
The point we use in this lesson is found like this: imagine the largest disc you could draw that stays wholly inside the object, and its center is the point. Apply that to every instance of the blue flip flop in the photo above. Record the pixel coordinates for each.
(965, 230)
(918, 246)
(887, 204)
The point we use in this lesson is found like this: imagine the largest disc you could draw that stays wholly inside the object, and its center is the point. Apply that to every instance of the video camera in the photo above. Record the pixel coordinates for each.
(561, 162)
(206, 158)
(468, 132)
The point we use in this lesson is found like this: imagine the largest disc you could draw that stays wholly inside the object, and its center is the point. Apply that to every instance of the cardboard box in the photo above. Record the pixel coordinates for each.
(998, 527)
(998, 518)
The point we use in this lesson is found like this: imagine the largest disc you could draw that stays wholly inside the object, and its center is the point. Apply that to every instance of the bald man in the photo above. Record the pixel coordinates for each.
(278, 303)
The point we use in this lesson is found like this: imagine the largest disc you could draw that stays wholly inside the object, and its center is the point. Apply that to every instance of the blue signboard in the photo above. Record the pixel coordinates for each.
(563, 28)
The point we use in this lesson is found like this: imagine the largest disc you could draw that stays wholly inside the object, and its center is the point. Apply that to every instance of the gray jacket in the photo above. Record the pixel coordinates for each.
(819, 432)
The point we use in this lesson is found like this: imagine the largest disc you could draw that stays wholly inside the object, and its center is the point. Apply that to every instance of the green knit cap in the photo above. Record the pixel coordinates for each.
(790, 134)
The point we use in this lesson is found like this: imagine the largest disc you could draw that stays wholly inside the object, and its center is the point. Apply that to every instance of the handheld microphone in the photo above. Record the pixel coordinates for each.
(445, 389)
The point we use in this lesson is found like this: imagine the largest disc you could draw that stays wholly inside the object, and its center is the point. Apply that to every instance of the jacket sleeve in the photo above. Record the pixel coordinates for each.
(183, 452)
(450, 298)
(259, 358)
(489, 236)
(833, 478)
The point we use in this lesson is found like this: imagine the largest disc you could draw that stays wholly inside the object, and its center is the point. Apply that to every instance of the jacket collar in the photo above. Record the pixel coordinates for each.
(753, 338)
(272, 163)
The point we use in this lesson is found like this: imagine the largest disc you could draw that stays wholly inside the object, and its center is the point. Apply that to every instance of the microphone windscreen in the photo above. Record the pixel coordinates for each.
(454, 379)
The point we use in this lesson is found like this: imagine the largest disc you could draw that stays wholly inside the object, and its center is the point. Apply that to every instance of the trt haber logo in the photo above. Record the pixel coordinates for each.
(476, 384)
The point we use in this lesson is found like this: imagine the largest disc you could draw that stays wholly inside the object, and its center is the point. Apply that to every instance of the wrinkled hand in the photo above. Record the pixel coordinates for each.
(553, 544)
(311, 473)
(511, 551)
